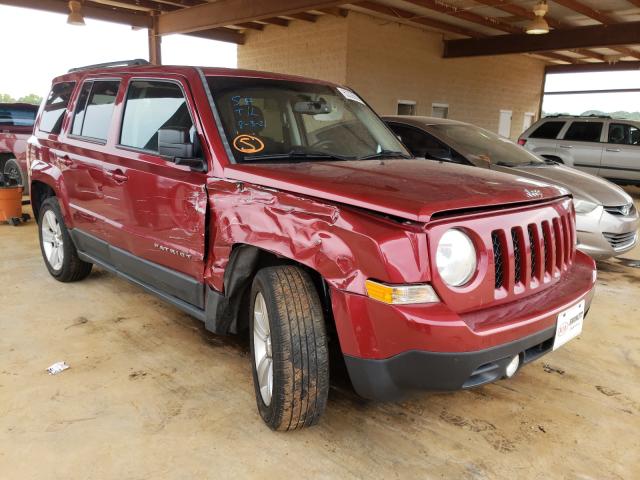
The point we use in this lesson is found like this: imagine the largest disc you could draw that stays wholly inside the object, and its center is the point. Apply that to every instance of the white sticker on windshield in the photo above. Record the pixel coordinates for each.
(349, 95)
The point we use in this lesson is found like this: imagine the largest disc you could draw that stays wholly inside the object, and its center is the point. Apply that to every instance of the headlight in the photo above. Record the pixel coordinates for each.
(401, 294)
(456, 258)
(583, 206)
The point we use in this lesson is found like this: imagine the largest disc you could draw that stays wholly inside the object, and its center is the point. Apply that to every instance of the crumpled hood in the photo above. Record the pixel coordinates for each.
(410, 189)
(582, 185)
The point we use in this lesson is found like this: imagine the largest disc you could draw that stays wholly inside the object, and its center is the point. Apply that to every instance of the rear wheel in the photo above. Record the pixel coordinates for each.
(13, 173)
(58, 251)
(289, 348)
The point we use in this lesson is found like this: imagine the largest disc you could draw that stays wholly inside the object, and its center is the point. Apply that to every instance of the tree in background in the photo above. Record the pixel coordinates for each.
(31, 98)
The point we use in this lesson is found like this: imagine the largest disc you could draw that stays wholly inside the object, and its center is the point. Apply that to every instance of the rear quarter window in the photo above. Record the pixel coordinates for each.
(55, 107)
(548, 130)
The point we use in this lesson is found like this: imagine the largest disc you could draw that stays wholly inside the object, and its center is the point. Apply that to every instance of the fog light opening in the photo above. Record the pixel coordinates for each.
(512, 368)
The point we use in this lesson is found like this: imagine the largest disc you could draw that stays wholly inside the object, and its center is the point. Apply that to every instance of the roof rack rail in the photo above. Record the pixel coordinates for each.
(121, 63)
(591, 115)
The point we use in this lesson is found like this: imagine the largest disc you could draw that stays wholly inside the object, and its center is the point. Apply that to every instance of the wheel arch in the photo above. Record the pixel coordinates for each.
(224, 313)
(40, 191)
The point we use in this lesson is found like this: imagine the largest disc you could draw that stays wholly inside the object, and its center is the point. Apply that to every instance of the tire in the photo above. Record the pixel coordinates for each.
(298, 346)
(13, 172)
(54, 236)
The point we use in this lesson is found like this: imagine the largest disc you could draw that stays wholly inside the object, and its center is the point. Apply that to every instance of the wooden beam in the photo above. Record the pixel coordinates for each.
(413, 18)
(141, 20)
(155, 43)
(593, 67)
(587, 11)
(282, 22)
(529, 15)
(229, 12)
(567, 39)
(519, 11)
(220, 34)
(307, 17)
(463, 14)
(140, 5)
(250, 26)
(337, 11)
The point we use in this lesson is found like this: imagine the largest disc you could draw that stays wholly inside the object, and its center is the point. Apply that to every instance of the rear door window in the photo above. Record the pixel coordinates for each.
(422, 144)
(54, 108)
(624, 134)
(548, 130)
(95, 109)
(152, 105)
(584, 132)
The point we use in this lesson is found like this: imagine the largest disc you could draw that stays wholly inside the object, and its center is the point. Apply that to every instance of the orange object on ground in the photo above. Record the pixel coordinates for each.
(10, 203)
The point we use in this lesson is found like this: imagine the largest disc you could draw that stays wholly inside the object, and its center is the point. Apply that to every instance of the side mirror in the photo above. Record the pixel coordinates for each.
(176, 144)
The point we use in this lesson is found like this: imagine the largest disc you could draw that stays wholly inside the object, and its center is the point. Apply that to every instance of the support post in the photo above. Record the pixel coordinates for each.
(155, 43)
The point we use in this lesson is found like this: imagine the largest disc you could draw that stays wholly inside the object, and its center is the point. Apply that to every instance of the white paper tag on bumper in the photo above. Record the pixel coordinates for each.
(569, 324)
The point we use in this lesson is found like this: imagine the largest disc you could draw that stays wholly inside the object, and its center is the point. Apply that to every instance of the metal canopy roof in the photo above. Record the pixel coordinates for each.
(583, 31)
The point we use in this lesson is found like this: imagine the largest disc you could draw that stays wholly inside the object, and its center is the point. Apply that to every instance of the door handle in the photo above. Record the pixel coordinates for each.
(613, 150)
(65, 160)
(117, 175)
(566, 146)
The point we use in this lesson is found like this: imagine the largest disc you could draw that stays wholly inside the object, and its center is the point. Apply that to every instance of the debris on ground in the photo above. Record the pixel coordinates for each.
(57, 368)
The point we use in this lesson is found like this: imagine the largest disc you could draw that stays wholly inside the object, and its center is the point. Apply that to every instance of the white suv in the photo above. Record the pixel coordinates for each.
(602, 146)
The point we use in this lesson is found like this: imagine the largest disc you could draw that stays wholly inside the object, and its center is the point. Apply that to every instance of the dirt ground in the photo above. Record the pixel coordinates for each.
(151, 395)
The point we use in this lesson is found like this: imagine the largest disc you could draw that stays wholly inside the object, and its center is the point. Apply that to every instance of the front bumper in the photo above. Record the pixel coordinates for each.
(391, 349)
(602, 235)
(392, 378)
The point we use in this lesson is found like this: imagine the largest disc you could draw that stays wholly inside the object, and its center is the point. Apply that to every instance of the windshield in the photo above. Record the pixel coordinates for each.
(483, 147)
(14, 116)
(285, 121)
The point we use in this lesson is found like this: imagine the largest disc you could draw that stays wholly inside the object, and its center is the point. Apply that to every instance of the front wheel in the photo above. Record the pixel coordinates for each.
(288, 348)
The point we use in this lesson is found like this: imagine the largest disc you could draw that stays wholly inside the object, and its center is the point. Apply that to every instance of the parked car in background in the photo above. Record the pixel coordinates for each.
(16, 126)
(284, 208)
(602, 146)
(606, 218)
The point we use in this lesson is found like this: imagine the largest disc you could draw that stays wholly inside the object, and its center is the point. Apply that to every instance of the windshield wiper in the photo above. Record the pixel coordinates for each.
(296, 155)
(385, 154)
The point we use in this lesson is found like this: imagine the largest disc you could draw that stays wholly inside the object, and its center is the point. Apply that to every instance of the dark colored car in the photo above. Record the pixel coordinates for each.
(284, 207)
(16, 126)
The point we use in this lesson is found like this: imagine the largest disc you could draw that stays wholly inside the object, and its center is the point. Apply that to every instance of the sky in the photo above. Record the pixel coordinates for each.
(579, 103)
(31, 61)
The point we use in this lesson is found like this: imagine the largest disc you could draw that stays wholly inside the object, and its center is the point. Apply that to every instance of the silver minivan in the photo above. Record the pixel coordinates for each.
(602, 146)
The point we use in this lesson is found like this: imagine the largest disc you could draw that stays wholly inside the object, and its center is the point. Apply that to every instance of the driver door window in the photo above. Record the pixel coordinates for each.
(150, 106)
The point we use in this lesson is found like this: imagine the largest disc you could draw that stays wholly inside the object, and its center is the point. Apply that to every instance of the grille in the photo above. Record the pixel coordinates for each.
(498, 258)
(620, 240)
(544, 249)
(534, 250)
(517, 257)
(622, 210)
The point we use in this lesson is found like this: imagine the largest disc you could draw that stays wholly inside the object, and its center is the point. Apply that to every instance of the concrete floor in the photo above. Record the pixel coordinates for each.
(151, 395)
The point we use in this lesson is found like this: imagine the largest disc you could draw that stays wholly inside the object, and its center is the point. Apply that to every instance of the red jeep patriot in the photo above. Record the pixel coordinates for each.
(285, 207)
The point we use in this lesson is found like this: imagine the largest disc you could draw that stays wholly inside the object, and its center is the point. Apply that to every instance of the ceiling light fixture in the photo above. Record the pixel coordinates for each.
(539, 25)
(75, 13)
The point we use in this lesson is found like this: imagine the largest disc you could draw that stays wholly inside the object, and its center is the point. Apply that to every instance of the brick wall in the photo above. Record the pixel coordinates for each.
(316, 50)
(386, 62)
